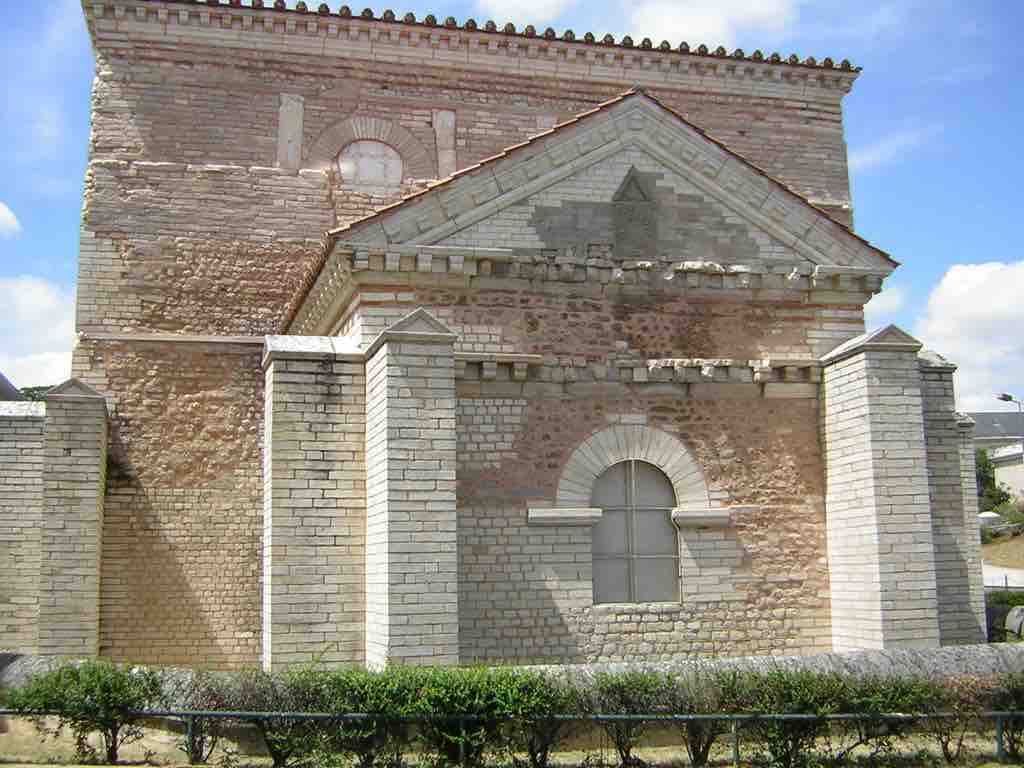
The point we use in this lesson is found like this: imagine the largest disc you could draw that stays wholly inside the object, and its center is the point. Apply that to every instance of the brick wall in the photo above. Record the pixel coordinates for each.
(758, 586)
(880, 544)
(314, 522)
(955, 535)
(180, 580)
(411, 563)
(21, 498)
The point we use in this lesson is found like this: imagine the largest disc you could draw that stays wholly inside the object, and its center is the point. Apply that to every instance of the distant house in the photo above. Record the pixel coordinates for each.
(996, 429)
(1008, 463)
(1001, 433)
(8, 391)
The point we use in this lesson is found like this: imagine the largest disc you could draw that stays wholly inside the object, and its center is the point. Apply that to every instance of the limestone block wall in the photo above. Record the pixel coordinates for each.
(759, 585)
(972, 538)
(21, 500)
(71, 523)
(314, 519)
(955, 535)
(412, 576)
(183, 515)
(880, 544)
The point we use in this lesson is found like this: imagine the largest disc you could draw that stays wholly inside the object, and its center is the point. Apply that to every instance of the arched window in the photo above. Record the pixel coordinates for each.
(636, 553)
(371, 167)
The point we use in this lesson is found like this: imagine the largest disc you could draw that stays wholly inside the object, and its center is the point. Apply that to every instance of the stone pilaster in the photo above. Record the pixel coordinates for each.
(971, 542)
(952, 533)
(411, 534)
(74, 483)
(314, 502)
(880, 545)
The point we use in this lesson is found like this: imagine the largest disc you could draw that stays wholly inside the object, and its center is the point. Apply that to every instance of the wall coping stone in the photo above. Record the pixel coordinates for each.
(15, 409)
(888, 339)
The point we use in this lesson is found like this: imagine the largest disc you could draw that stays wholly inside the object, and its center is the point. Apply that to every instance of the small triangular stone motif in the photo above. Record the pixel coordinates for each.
(420, 321)
(631, 191)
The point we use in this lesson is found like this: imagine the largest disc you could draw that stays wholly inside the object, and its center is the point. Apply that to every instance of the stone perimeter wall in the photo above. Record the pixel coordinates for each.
(21, 501)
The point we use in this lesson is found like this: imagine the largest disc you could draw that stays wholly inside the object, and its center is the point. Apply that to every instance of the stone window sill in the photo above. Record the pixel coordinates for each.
(563, 515)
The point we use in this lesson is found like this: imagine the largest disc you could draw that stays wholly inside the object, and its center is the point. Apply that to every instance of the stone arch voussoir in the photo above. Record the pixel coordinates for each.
(622, 442)
(417, 160)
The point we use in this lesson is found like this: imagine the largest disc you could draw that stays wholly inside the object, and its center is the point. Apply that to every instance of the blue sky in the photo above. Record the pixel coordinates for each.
(932, 127)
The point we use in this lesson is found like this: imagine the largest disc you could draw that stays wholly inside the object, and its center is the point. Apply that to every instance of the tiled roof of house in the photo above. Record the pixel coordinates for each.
(529, 31)
(996, 425)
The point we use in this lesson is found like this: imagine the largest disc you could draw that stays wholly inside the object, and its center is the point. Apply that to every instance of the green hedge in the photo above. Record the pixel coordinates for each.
(515, 712)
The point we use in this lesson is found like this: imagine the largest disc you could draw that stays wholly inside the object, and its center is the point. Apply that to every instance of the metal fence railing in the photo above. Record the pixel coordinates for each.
(736, 722)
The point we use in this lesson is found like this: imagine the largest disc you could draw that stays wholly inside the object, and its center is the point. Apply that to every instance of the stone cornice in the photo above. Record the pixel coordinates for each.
(319, 32)
(347, 275)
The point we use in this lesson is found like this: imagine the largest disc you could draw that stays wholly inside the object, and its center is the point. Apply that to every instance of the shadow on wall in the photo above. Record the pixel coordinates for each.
(179, 571)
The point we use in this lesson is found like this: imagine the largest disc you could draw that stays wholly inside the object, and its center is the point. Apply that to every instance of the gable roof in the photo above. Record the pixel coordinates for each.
(998, 425)
(480, 188)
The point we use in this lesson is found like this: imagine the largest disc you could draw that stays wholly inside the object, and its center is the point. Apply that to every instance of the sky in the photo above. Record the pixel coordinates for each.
(932, 129)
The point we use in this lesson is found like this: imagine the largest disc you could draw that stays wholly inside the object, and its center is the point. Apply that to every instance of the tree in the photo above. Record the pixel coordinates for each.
(990, 493)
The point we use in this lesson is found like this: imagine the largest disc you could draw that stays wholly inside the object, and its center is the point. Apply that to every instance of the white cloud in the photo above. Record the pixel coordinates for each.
(890, 147)
(9, 224)
(714, 22)
(882, 305)
(974, 317)
(525, 11)
(36, 331)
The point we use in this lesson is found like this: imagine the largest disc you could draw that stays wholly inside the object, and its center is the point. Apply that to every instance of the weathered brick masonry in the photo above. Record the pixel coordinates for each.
(358, 415)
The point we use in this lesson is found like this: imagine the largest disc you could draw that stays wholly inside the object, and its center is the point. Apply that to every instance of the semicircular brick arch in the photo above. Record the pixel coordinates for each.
(622, 442)
(418, 161)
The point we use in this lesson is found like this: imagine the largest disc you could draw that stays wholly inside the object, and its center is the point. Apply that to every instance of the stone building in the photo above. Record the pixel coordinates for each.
(405, 340)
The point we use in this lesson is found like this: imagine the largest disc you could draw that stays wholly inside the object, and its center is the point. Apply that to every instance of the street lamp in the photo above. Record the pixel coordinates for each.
(1006, 397)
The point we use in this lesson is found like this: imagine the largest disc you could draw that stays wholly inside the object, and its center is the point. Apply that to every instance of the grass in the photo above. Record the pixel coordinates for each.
(1005, 552)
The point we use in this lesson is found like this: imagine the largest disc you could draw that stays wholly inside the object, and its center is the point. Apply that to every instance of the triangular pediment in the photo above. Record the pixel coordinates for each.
(888, 338)
(74, 388)
(419, 321)
(707, 202)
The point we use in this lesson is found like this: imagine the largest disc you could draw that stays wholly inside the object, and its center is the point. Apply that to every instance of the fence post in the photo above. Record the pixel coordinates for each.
(1000, 740)
(735, 744)
(462, 742)
(190, 734)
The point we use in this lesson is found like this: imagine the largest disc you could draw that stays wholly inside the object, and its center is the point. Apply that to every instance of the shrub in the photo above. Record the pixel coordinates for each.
(703, 692)
(291, 742)
(376, 741)
(1009, 598)
(876, 696)
(627, 693)
(91, 697)
(790, 743)
(964, 698)
(535, 702)
(1008, 696)
(201, 691)
(446, 693)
